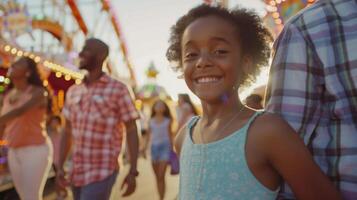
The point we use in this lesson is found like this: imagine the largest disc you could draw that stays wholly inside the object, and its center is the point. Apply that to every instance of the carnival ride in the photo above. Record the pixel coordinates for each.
(52, 33)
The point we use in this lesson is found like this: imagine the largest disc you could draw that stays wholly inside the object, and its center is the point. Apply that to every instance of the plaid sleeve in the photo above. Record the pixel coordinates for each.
(295, 84)
(126, 106)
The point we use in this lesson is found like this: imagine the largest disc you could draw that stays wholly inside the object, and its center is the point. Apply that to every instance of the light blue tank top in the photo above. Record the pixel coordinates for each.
(219, 170)
(159, 132)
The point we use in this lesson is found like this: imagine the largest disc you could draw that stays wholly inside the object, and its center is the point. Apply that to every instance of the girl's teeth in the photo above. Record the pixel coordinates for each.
(207, 80)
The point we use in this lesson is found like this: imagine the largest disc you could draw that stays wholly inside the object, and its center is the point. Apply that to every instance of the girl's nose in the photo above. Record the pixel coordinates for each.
(204, 60)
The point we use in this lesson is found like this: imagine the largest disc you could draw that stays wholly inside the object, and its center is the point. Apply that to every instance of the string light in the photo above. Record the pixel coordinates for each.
(58, 69)
(45, 83)
(7, 81)
(58, 74)
(78, 81)
(20, 53)
(13, 50)
(37, 59)
(67, 77)
(272, 7)
(7, 48)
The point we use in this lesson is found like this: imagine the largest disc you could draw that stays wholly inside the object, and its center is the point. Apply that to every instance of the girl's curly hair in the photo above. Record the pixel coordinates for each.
(255, 39)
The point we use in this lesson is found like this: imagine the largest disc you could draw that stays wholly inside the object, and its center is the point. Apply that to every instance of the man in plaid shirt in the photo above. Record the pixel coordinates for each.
(97, 112)
(313, 85)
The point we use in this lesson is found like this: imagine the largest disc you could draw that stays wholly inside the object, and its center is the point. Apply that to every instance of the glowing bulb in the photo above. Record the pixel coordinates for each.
(78, 81)
(58, 74)
(67, 77)
(45, 83)
(13, 50)
(7, 48)
(7, 81)
(37, 59)
(20, 53)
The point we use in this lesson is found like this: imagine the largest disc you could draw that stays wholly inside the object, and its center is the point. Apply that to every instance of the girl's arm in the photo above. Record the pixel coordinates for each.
(146, 140)
(288, 155)
(38, 98)
(170, 133)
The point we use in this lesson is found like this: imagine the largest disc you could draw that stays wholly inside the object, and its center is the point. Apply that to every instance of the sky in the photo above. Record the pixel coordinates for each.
(146, 28)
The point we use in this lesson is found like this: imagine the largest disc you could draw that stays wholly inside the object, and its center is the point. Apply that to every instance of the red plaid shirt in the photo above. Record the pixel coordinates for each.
(97, 113)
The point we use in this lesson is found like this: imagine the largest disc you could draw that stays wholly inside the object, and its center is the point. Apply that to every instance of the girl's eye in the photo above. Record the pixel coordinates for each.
(190, 55)
(220, 52)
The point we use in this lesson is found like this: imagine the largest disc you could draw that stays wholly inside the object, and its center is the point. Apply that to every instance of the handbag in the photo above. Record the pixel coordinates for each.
(174, 163)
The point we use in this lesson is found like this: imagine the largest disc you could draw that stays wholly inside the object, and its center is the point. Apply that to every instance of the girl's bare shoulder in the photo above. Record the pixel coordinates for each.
(269, 129)
(270, 123)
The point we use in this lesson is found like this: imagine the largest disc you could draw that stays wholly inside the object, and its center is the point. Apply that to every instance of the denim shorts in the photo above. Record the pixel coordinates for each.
(160, 152)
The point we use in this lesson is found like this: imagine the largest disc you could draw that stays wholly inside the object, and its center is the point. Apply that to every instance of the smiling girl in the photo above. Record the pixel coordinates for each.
(233, 152)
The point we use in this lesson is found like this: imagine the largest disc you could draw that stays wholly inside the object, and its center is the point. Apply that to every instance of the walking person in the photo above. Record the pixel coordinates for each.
(160, 135)
(185, 110)
(233, 152)
(96, 113)
(22, 117)
(313, 86)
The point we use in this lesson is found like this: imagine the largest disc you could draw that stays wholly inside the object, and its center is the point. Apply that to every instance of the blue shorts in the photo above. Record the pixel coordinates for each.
(160, 152)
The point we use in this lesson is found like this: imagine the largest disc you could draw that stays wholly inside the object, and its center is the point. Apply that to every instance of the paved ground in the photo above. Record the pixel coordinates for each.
(146, 186)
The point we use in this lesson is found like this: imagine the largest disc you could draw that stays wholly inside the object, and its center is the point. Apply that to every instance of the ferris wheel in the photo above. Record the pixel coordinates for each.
(55, 31)
(52, 33)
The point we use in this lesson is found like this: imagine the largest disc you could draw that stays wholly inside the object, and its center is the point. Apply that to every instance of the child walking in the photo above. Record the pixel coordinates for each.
(161, 142)
(233, 152)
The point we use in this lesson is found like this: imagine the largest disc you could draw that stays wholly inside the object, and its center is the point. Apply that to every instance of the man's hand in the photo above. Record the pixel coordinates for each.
(61, 182)
(130, 184)
(133, 148)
